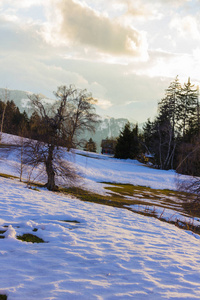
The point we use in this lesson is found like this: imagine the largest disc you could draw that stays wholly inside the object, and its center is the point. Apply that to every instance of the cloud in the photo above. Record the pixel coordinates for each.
(104, 103)
(22, 3)
(167, 65)
(16, 39)
(94, 45)
(82, 25)
(187, 26)
(36, 75)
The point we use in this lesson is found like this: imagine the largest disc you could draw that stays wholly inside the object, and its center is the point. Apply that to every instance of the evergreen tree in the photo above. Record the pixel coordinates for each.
(169, 107)
(147, 135)
(90, 146)
(127, 144)
(189, 113)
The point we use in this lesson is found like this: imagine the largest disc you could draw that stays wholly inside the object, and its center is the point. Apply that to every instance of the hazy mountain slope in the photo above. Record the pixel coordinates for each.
(19, 97)
(107, 127)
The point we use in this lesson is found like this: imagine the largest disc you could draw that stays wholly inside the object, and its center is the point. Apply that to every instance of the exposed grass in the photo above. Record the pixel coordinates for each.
(181, 201)
(34, 189)
(71, 221)
(149, 200)
(110, 200)
(2, 145)
(30, 238)
(2, 237)
(7, 176)
(90, 156)
(3, 297)
(124, 195)
(32, 185)
(192, 207)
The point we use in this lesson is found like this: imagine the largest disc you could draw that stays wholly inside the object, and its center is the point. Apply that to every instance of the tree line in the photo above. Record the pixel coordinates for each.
(173, 137)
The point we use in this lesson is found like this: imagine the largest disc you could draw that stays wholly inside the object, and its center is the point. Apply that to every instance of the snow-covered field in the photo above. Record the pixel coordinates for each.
(108, 253)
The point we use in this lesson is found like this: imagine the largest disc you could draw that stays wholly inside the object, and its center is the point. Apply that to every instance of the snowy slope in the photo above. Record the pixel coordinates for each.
(95, 168)
(111, 254)
(108, 253)
(109, 169)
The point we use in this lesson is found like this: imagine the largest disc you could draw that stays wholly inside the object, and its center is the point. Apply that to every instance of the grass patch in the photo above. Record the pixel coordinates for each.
(71, 221)
(88, 155)
(30, 238)
(7, 176)
(3, 297)
(192, 207)
(145, 201)
(2, 231)
(162, 198)
(34, 188)
(110, 200)
(35, 185)
(2, 145)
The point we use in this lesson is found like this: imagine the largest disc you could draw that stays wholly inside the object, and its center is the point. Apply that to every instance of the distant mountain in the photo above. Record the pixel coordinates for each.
(107, 127)
(21, 98)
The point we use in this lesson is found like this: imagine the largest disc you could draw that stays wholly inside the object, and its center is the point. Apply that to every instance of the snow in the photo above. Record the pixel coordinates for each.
(102, 168)
(108, 253)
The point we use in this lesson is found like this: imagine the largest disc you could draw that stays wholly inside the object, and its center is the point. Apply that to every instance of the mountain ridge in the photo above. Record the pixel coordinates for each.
(108, 127)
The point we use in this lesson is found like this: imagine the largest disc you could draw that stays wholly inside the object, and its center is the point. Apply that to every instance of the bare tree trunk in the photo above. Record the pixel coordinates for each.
(50, 170)
(21, 158)
(160, 148)
(198, 116)
(4, 110)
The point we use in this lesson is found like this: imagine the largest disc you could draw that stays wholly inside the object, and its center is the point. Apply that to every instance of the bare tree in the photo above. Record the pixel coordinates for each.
(59, 127)
(5, 97)
(189, 164)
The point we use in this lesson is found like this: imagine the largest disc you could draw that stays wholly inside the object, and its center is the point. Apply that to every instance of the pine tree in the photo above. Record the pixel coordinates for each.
(147, 135)
(127, 144)
(166, 127)
(188, 106)
(170, 107)
(90, 146)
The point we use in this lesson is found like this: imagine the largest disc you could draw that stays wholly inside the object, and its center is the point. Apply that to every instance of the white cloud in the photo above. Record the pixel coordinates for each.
(104, 103)
(36, 75)
(23, 3)
(168, 65)
(16, 38)
(187, 26)
(82, 25)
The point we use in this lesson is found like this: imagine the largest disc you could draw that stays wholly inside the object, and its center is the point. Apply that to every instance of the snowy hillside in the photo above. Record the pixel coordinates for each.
(92, 251)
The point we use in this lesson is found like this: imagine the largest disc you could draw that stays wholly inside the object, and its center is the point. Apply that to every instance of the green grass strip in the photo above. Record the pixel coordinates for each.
(30, 238)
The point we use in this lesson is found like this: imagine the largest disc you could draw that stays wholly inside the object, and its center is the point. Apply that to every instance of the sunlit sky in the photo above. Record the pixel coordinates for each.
(126, 52)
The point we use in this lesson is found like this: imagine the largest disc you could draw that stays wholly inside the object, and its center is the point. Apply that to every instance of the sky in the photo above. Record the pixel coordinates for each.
(125, 52)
